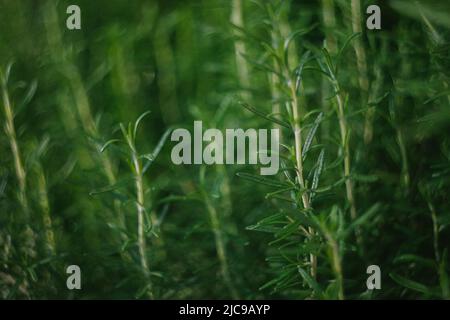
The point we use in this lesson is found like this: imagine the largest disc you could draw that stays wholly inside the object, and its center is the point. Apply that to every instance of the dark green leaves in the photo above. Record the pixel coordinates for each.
(311, 134)
(263, 181)
(151, 157)
(318, 170)
(413, 285)
(263, 115)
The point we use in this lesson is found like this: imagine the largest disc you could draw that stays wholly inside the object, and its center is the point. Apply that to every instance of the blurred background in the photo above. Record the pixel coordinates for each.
(69, 191)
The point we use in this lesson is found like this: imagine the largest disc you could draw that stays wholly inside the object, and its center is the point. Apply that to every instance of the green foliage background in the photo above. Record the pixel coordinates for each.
(224, 231)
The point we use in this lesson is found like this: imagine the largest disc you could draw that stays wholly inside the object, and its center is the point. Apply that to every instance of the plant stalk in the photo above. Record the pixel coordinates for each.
(140, 206)
(345, 141)
(337, 264)
(11, 135)
(237, 19)
(299, 167)
(44, 203)
(220, 245)
(361, 62)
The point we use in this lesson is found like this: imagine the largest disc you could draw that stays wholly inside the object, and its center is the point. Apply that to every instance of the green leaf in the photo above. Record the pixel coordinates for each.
(346, 43)
(299, 70)
(247, 34)
(124, 133)
(291, 37)
(307, 220)
(261, 114)
(364, 178)
(151, 157)
(107, 144)
(287, 230)
(110, 188)
(177, 198)
(138, 121)
(28, 96)
(7, 73)
(263, 181)
(437, 11)
(412, 258)
(261, 66)
(272, 52)
(269, 284)
(269, 224)
(318, 171)
(329, 187)
(295, 34)
(329, 63)
(143, 291)
(437, 96)
(275, 193)
(311, 134)
(362, 219)
(410, 284)
(310, 281)
(328, 75)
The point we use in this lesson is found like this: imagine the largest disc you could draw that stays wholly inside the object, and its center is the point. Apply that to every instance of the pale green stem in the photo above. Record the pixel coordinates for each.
(299, 167)
(44, 204)
(336, 263)
(361, 62)
(220, 245)
(345, 141)
(11, 134)
(140, 206)
(329, 21)
(237, 19)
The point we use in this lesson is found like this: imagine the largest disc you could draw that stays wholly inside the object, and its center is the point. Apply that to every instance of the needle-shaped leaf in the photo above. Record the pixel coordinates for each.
(299, 70)
(311, 134)
(329, 63)
(318, 170)
(7, 72)
(263, 115)
(362, 219)
(138, 121)
(107, 144)
(411, 284)
(310, 281)
(346, 43)
(291, 37)
(151, 157)
(31, 91)
(261, 180)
